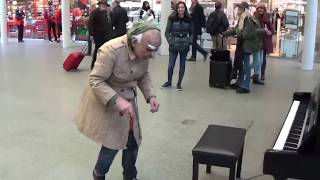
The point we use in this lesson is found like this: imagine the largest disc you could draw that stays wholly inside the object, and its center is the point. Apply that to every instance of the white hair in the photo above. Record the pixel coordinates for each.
(137, 38)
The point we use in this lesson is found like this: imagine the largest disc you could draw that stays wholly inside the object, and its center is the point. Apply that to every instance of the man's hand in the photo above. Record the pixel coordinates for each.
(124, 106)
(154, 104)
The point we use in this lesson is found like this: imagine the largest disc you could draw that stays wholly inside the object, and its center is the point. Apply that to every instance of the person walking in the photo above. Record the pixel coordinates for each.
(179, 34)
(216, 24)
(199, 22)
(20, 23)
(100, 27)
(119, 19)
(108, 112)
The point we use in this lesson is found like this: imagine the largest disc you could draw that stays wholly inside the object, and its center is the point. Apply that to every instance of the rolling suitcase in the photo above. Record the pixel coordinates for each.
(220, 73)
(74, 59)
(220, 55)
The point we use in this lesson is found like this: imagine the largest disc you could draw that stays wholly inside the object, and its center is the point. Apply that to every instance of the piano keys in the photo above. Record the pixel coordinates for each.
(295, 153)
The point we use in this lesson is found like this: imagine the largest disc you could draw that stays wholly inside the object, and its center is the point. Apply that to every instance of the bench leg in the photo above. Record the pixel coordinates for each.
(208, 169)
(239, 164)
(195, 170)
(232, 173)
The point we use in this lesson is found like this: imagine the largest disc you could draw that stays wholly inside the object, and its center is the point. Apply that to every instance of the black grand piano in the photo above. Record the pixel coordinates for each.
(296, 152)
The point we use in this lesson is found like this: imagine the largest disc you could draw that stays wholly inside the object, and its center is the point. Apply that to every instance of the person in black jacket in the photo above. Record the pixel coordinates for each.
(217, 23)
(100, 27)
(179, 34)
(119, 19)
(146, 13)
(199, 21)
(20, 23)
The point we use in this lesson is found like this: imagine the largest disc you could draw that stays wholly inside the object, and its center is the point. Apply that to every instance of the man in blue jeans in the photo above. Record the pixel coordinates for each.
(108, 112)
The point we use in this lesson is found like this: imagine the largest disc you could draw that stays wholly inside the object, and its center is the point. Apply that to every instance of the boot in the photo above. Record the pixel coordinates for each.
(256, 80)
(96, 177)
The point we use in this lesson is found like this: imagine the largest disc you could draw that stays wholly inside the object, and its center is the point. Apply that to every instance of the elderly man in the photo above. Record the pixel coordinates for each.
(108, 111)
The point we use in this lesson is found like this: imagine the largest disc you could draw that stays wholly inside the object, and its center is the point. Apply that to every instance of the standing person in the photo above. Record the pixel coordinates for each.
(20, 23)
(119, 19)
(249, 30)
(58, 20)
(267, 38)
(51, 22)
(199, 21)
(108, 112)
(179, 34)
(100, 27)
(146, 13)
(216, 24)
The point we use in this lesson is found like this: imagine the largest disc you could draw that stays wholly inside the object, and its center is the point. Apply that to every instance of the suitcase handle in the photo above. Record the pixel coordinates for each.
(84, 48)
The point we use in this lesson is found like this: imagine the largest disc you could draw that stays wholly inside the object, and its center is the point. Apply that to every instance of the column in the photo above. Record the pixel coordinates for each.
(66, 25)
(165, 12)
(308, 53)
(3, 20)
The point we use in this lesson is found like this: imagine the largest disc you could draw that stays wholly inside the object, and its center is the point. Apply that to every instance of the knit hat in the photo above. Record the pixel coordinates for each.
(243, 5)
(261, 6)
(141, 27)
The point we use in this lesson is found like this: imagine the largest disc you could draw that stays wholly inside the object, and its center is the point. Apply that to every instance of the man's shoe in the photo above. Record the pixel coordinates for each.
(179, 88)
(166, 85)
(256, 80)
(191, 59)
(96, 177)
(242, 90)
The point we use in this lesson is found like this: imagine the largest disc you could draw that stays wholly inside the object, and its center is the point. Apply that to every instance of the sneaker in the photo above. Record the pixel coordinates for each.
(179, 88)
(242, 90)
(191, 59)
(166, 85)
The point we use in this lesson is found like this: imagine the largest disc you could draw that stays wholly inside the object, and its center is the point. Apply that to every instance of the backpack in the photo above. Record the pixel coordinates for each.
(212, 24)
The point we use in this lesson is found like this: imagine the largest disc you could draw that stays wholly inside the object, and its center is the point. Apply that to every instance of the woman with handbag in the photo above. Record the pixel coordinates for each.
(179, 34)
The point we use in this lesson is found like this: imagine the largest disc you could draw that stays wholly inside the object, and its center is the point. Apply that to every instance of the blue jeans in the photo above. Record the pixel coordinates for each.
(129, 157)
(245, 77)
(172, 61)
(257, 62)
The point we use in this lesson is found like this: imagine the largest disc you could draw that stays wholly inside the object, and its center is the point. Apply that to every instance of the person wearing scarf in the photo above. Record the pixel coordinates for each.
(108, 112)
(249, 32)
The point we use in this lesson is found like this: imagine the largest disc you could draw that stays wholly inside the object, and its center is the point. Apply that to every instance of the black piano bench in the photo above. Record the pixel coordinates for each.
(219, 146)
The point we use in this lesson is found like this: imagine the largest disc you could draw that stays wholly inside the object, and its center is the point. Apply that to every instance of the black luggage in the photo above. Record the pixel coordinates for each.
(220, 55)
(220, 73)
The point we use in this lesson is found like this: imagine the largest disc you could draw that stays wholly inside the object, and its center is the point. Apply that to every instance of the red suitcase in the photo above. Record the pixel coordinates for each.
(74, 59)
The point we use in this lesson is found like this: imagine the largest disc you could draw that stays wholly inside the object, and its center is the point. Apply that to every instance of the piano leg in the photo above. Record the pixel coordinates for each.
(279, 178)
(239, 164)
(232, 174)
(195, 170)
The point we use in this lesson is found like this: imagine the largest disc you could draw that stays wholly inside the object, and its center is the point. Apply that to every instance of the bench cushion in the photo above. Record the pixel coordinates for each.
(220, 142)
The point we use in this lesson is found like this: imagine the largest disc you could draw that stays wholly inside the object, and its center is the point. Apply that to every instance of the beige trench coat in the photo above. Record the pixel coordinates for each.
(116, 71)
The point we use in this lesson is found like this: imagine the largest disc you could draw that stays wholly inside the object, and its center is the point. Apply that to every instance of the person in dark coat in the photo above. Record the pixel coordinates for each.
(119, 19)
(217, 23)
(100, 27)
(267, 38)
(146, 13)
(20, 23)
(179, 34)
(199, 21)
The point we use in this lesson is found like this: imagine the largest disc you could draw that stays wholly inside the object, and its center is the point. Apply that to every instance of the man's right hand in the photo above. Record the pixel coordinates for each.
(124, 106)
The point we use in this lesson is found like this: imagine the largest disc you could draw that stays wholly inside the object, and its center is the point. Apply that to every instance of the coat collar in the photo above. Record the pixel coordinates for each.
(131, 54)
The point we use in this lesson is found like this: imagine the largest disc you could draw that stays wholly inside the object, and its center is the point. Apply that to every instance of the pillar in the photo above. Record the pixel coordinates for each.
(308, 52)
(3, 20)
(165, 12)
(66, 24)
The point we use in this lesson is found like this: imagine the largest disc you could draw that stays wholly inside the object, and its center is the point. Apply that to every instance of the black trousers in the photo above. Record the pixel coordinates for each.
(99, 39)
(20, 32)
(52, 26)
(59, 27)
(196, 47)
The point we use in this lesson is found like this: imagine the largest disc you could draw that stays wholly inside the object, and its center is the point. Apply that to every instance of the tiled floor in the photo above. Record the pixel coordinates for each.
(39, 141)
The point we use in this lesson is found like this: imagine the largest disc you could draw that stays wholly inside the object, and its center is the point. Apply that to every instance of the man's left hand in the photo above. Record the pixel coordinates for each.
(154, 104)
